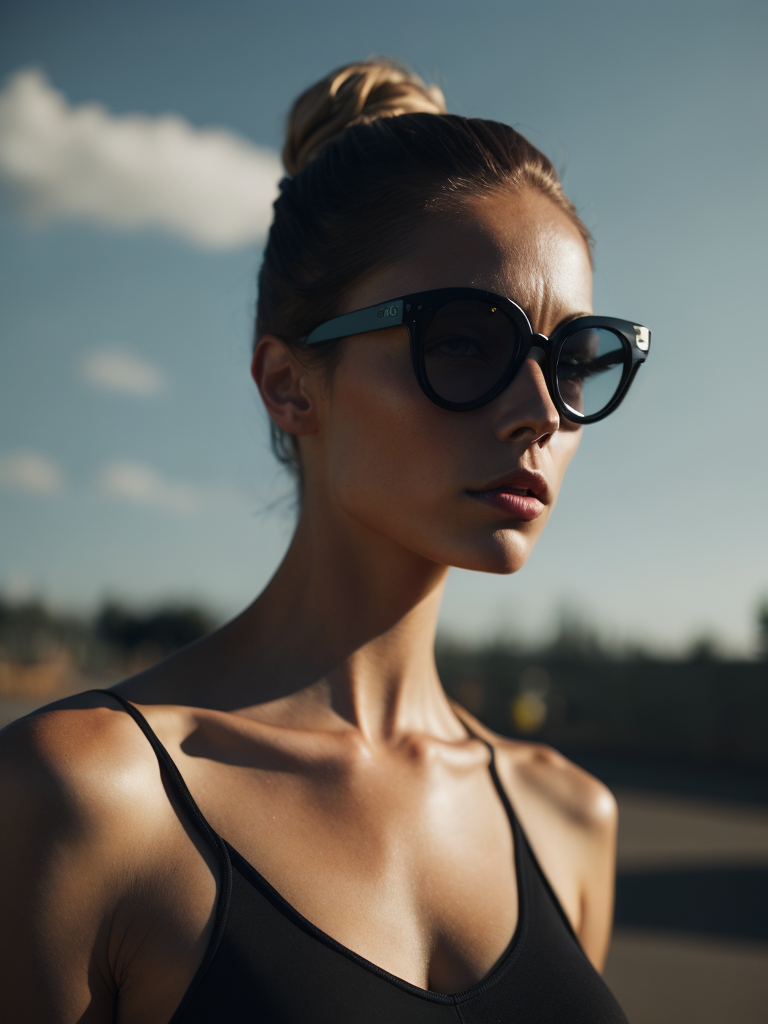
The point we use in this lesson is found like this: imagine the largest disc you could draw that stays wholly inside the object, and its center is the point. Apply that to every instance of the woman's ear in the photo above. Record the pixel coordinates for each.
(283, 385)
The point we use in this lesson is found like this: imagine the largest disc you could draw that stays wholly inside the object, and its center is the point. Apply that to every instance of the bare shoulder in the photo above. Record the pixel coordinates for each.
(537, 771)
(74, 750)
(585, 800)
(101, 885)
(79, 773)
(65, 773)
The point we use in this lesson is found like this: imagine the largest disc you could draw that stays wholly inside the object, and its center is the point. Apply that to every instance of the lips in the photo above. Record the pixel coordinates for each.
(523, 494)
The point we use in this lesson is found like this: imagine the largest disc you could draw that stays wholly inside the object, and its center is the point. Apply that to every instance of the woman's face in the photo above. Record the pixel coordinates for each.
(443, 484)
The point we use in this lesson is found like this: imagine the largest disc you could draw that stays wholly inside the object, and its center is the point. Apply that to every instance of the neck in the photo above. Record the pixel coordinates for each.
(345, 633)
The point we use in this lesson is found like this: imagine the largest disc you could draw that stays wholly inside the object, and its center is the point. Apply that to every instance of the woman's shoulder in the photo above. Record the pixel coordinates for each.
(76, 765)
(66, 738)
(536, 772)
(97, 868)
(82, 794)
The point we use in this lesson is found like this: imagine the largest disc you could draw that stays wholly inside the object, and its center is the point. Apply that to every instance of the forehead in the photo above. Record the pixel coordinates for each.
(516, 244)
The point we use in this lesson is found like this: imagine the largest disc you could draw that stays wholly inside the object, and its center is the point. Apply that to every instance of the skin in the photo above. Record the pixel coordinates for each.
(315, 721)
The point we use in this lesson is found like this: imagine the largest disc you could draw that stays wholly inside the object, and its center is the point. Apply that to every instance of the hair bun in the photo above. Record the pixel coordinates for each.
(354, 94)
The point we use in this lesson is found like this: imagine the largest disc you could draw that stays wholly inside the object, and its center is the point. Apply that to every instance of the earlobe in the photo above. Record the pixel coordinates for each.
(282, 383)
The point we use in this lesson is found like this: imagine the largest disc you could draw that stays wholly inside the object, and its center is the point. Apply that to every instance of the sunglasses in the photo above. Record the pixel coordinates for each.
(467, 345)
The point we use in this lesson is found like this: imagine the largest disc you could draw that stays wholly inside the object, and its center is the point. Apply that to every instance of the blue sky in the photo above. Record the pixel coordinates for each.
(133, 452)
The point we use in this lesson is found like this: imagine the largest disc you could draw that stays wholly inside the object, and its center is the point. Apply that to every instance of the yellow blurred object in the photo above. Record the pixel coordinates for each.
(528, 711)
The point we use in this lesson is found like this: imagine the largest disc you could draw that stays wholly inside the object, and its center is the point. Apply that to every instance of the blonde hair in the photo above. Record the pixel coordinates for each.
(354, 94)
(371, 155)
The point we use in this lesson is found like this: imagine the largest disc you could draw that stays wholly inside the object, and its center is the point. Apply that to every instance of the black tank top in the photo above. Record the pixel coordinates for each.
(267, 964)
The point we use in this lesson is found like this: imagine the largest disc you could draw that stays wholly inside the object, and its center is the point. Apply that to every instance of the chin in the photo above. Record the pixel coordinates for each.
(503, 553)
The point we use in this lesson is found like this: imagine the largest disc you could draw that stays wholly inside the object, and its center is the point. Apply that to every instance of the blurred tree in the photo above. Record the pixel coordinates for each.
(576, 637)
(705, 648)
(165, 629)
(29, 630)
(762, 630)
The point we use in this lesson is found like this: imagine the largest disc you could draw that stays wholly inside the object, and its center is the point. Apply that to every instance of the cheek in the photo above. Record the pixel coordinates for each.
(388, 449)
(399, 464)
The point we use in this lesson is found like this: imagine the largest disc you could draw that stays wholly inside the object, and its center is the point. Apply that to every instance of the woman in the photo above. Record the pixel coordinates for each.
(289, 820)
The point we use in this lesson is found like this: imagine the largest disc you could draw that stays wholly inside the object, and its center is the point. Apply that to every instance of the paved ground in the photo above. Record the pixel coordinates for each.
(667, 978)
(691, 942)
(664, 831)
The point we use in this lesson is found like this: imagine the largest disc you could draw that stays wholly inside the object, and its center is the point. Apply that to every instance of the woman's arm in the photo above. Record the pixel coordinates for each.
(54, 929)
(600, 819)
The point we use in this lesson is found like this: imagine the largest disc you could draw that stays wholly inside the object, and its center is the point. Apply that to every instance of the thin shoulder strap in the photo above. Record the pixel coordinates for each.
(501, 790)
(179, 785)
(520, 837)
(209, 834)
(506, 803)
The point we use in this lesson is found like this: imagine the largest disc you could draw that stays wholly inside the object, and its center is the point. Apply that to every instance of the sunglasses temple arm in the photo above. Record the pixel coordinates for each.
(372, 318)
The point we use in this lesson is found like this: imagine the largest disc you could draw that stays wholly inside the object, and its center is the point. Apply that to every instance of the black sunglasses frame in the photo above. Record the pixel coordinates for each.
(417, 311)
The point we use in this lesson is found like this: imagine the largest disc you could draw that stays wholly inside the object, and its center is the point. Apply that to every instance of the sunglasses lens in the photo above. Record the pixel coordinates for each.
(468, 348)
(590, 369)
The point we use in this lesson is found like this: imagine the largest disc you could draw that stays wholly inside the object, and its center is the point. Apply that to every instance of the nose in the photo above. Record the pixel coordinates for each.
(526, 411)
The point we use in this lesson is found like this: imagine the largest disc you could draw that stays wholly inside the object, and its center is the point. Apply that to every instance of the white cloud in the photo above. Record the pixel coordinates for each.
(117, 369)
(30, 473)
(142, 484)
(208, 186)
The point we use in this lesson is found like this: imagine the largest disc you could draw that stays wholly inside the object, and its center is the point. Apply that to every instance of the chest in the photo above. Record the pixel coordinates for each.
(410, 867)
